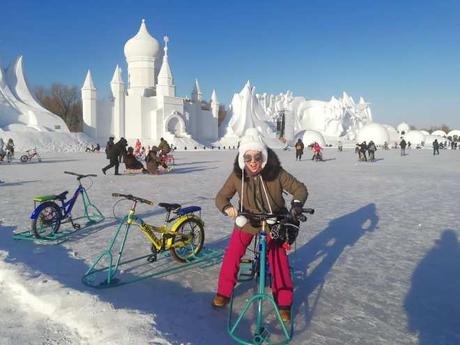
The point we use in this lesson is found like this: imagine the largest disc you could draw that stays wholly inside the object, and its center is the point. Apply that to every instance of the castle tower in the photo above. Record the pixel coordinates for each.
(165, 86)
(141, 52)
(214, 105)
(118, 112)
(88, 96)
(197, 96)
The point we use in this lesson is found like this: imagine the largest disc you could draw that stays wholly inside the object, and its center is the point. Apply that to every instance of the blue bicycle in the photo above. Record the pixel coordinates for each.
(48, 216)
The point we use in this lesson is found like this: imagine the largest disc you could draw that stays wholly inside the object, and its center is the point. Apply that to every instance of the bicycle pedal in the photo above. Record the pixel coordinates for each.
(77, 226)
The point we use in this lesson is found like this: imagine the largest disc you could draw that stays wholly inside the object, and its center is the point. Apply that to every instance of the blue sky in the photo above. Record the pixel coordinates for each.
(401, 56)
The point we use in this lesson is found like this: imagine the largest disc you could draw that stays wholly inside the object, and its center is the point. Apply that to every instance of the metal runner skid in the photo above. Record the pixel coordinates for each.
(162, 267)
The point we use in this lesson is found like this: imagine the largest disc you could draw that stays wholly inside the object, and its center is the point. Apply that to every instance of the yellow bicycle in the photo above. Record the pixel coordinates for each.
(182, 235)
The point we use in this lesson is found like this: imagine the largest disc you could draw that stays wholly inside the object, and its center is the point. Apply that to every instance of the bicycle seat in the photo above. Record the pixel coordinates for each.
(169, 207)
(43, 198)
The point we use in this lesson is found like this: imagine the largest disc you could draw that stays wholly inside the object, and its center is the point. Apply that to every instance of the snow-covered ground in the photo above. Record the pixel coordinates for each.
(378, 264)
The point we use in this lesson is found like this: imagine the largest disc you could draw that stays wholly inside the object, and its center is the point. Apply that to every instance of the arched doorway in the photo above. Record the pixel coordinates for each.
(175, 125)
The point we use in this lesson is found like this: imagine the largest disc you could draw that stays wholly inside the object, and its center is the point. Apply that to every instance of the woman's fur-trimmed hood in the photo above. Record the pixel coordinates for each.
(269, 172)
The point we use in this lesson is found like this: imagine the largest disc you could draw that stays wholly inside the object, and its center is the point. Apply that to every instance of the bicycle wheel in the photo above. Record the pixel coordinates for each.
(188, 240)
(24, 159)
(47, 221)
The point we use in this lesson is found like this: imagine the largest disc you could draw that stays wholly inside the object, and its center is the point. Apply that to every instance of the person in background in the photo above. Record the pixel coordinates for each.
(131, 163)
(435, 147)
(340, 146)
(371, 148)
(115, 154)
(403, 145)
(153, 161)
(109, 146)
(362, 151)
(299, 146)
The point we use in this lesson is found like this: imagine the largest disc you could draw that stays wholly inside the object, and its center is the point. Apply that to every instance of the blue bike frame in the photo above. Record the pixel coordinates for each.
(261, 335)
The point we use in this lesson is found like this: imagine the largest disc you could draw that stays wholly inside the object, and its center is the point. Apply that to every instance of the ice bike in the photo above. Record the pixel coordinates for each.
(280, 223)
(48, 216)
(29, 155)
(182, 235)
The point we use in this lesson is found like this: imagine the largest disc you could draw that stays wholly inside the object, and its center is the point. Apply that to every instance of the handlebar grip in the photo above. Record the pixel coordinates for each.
(92, 175)
(148, 202)
(309, 210)
(116, 195)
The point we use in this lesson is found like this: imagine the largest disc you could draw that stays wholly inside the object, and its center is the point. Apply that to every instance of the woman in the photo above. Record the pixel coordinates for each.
(132, 164)
(259, 180)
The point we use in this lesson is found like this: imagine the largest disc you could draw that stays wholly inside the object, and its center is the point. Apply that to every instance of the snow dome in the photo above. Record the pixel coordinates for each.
(142, 44)
(415, 137)
(375, 132)
(310, 137)
(403, 127)
(393, 133)
(454, 132)
(425, 132)
(440, 133)
(430, 138)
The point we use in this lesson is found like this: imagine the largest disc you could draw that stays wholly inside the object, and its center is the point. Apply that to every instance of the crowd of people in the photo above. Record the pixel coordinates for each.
(134, 157)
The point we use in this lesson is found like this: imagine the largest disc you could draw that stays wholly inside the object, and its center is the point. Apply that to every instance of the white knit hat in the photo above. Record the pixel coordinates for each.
(251, 141)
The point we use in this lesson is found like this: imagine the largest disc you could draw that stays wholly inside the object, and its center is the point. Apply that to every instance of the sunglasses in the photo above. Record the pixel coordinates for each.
(256, 158)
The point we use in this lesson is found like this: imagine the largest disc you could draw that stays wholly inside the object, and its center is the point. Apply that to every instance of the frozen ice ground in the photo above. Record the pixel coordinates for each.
(377, 264)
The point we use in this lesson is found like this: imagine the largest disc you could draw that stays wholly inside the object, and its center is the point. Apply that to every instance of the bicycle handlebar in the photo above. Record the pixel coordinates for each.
(133, 198)
(264, 216)
(79, 176)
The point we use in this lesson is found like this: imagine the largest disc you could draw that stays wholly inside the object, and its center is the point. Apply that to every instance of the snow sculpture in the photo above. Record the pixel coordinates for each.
(415, 137)
(440, 133)
(454, 132)
(310, 137)
(430, 138)
(146, 107)
(425, 132)
(335, 118)
(375, 132)
(246, 112)
(395, 137)
(19, 111)
(403, 127)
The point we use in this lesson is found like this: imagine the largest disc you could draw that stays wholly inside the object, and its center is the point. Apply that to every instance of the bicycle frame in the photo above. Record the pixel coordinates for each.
(261, 334)
(161, 244)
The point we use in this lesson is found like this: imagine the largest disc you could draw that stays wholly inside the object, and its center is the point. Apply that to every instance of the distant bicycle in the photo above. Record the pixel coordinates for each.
(49, 215)
(29, 155)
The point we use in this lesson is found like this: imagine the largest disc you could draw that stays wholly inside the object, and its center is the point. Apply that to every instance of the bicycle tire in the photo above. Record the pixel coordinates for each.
(47, 221)
(24, 159)
(191, 227)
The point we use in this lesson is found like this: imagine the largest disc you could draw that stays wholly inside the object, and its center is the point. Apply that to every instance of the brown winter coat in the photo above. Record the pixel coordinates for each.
(276, 180)
(153, 162)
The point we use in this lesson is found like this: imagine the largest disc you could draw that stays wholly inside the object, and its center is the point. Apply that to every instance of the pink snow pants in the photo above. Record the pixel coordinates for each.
(282, 287)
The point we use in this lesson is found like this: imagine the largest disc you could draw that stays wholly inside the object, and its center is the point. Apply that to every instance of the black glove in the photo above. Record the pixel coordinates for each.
(296, 208)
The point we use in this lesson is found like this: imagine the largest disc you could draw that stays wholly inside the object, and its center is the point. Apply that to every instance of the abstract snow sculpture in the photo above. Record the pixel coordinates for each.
(19, 111)
(246, 112)
(440, 133)
(375, 132)
(415, 137)
(310, 137)
(335, 118)
(403, 127)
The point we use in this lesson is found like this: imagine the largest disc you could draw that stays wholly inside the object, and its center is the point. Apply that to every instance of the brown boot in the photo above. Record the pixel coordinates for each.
(285, 315)
(220, 301)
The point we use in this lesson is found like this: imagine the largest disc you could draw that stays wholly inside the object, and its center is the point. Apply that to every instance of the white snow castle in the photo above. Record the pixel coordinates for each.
(146, 107)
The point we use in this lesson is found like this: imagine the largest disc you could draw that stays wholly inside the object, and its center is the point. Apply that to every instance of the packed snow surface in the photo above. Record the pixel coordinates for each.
(377, 264)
